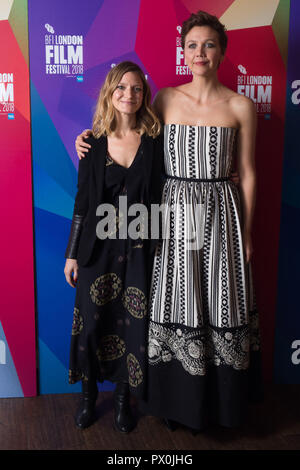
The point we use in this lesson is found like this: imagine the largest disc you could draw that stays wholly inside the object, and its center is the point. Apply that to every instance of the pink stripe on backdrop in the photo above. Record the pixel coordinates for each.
(17, 312)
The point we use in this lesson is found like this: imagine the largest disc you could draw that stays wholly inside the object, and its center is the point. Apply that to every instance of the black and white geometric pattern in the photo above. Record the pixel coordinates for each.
(209, 284)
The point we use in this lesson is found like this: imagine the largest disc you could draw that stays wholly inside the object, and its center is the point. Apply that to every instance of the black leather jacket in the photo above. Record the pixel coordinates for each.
(90, 192)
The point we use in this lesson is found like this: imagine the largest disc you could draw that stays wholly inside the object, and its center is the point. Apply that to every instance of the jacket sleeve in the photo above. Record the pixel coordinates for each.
(156, 185)
(81, 205)
(158, 171)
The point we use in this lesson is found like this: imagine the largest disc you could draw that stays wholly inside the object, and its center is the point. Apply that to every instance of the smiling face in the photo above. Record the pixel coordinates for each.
(128, 96)
(202, 50)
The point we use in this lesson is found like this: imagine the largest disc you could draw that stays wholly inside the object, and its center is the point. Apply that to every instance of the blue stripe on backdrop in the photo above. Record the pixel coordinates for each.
(54, 377)
(287, 333)
(53, 158)
(287, 368)
(60, 202)
(55, 304)
(9, 381)
(55, 298)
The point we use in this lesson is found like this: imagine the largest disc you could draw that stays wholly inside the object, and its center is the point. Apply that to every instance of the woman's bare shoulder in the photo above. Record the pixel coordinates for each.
(243, 109)
(240, 102)
(162, 101)
(166, 96)
(164, 93)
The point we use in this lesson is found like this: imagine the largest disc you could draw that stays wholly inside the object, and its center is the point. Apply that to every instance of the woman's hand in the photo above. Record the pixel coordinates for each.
(248, 247)
(71, 267)
(81, 146)
(235, 178)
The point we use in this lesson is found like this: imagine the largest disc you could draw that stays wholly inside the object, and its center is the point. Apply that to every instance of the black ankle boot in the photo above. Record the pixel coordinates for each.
(85, 414)
(124, 420)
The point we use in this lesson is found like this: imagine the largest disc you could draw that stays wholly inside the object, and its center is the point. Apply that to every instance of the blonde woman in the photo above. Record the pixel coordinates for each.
(111, 274)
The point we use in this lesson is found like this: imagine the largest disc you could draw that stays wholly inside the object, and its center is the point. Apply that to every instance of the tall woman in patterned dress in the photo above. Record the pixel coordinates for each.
(112, 274)
(204, 347)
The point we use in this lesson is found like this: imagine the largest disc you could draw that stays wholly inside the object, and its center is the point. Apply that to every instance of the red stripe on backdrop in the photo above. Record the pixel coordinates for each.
(16, 236)
(217, 7)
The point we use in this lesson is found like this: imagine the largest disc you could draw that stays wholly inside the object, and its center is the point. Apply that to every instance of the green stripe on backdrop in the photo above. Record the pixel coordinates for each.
(280, 26)
(18, 20)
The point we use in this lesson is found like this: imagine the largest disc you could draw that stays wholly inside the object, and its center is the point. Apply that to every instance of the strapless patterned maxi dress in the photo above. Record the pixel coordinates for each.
(204, 342)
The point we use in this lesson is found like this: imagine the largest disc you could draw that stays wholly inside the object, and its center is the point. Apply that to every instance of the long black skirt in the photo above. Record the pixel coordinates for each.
(109, 330)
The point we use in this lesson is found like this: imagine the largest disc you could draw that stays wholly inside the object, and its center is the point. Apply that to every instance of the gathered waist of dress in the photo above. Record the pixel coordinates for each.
(199, 180)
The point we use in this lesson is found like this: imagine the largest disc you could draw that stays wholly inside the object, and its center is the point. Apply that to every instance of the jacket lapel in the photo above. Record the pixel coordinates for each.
(99, 165)
(148, 150)
(100, 158)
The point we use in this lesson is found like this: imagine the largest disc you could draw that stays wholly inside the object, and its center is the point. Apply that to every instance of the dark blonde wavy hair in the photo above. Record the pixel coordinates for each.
(104, 122)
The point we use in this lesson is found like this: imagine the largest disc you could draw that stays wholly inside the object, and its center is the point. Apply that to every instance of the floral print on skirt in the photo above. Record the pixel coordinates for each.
(109, 330)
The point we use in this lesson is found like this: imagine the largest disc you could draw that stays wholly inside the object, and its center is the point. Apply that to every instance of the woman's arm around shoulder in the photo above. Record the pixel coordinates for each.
(81, 144)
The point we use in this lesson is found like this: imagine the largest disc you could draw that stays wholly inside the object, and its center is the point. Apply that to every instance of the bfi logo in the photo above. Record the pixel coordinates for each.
(2, 352)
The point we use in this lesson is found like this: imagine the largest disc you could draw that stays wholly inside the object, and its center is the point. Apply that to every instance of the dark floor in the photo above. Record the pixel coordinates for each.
(46, 423)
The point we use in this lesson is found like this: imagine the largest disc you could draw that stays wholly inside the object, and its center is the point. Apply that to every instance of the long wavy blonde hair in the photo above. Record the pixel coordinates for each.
(104, 122)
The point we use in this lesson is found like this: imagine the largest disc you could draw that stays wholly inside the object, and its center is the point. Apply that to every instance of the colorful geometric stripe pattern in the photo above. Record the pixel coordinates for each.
(17, 307)
(59, 115)
(61, 106)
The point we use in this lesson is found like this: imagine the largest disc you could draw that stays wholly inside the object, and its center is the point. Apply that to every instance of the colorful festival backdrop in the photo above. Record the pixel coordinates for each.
(287, 339)
(71, 50)
(17, 309)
